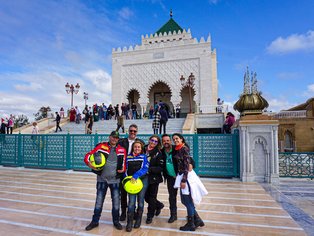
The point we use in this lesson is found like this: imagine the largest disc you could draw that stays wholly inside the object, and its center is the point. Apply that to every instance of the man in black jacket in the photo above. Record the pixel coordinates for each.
(58, 119)
(127, 144)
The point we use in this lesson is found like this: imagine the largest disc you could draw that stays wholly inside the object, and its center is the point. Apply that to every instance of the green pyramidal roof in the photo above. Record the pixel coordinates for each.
(171, 26)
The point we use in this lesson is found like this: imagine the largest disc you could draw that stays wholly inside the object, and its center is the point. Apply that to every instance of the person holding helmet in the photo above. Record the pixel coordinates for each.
(136, 166)
(127, 144)
(108, 161)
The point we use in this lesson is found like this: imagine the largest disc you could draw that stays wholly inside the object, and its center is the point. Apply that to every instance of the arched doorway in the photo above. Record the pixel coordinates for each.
(185, 103)
(133, 97)
(160, 92)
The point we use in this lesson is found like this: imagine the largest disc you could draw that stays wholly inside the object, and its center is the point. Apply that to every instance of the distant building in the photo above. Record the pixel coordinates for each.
(150, 72)
(296, 128)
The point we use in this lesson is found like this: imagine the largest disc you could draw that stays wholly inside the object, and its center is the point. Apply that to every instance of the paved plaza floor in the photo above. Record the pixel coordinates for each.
(46, 202)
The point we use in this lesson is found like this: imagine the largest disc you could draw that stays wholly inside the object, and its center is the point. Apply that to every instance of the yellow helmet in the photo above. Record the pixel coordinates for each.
(97, 160)
(132, 188)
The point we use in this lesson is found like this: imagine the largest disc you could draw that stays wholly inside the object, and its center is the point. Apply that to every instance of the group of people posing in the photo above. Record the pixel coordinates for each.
(152, 163)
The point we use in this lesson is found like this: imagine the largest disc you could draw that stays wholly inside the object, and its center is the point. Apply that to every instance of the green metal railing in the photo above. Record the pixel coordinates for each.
(215, 154)
(296, 164)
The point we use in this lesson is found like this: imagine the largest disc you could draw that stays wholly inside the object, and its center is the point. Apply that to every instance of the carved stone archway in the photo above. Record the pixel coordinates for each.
(160, 92)
(185, 100)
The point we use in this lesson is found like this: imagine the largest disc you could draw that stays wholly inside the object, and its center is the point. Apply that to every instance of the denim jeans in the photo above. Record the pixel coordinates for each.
(140, 197)
(187, 201)
(134, 115)
(102, 188)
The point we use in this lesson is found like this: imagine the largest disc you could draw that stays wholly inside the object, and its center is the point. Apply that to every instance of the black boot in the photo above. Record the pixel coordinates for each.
(138, 221)
(123, 214)
(198, 221)
(158, 209)
(129, 225)
(91, 226)
(190, 225)
(173, 217)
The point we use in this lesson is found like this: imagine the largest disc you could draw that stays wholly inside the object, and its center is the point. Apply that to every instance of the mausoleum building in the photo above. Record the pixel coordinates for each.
(150, 72)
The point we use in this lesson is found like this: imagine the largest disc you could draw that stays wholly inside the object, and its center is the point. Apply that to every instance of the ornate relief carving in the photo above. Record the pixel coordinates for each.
(143, 76)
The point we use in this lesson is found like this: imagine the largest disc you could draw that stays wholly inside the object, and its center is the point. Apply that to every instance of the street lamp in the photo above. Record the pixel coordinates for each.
(190, 84)
(85, 97)
(70, 89)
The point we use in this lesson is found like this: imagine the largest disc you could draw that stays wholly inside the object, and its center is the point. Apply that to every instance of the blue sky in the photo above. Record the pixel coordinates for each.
(44, 44)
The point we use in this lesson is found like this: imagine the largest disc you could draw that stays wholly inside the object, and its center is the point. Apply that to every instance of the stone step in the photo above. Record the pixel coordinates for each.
(106, 126)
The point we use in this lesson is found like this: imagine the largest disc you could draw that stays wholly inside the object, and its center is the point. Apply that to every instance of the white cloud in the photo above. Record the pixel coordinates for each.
(289, 75)
(28, 87)
(278, 104)
(311, 88)
(125, 13)
(293, 43)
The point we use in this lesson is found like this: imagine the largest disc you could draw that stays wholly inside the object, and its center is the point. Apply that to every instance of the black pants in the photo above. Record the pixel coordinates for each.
(151, 199)
(9, 130)
(172, 194)
(120, 126)
(162, 124)
(58, 126)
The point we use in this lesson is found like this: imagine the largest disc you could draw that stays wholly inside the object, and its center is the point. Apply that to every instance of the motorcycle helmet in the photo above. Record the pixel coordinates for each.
(97, 160)
(132, 188)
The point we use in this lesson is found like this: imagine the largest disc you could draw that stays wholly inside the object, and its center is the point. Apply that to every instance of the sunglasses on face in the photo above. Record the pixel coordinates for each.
(133, 131)
(153, 141)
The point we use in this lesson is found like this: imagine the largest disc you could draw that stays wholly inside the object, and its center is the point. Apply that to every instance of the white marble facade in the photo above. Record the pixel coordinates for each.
(154, 68)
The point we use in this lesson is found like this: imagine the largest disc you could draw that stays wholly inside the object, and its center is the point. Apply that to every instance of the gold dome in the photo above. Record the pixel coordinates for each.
(251, 104)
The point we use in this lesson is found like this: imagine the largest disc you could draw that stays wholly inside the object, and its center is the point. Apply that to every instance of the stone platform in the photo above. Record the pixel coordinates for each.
(47, 202)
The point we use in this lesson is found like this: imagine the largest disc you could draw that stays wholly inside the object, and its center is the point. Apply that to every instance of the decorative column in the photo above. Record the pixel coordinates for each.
(258, 149)
(258, 136)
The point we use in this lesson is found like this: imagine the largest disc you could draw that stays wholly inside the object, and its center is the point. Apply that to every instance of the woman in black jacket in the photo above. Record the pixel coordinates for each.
(156, 163)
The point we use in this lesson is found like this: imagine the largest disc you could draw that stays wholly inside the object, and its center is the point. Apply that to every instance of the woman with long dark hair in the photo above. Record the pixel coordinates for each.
(156, 163)
(184, 163)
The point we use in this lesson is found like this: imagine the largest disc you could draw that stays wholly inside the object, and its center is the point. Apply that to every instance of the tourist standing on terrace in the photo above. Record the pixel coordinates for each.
(58, 119)
(108, 177)
(184, 160)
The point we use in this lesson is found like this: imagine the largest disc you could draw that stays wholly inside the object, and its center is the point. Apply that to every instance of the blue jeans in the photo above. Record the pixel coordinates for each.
(102, 188)
(140, 197)
(134, 115)
(187, 201)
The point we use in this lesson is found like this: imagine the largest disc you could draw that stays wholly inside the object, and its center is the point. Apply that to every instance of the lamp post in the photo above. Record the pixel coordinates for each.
(70, 89)
(85, 97)
(190, 84)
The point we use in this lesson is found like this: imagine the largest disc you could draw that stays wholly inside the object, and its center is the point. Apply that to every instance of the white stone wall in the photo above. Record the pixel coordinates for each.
(165, 58)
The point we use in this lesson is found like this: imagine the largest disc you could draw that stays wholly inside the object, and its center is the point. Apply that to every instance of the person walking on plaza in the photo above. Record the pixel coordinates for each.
(61, 112)
(58, 119)
(156, 163)
(163, 118)
(10, 124)
(134, 112)
(108, 177)
(78, 115)
(120, 123)
(127, 144)
(89, 123)
(137, 166)
(156, 121)
(184, 160)
(3, 126)
(170, 173)
(35, 129)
